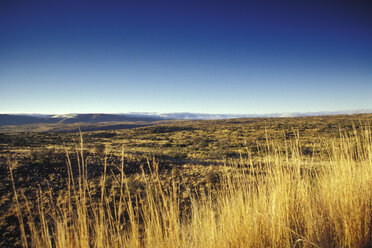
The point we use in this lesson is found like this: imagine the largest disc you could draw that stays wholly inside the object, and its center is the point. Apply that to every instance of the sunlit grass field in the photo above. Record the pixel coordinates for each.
(287, 187)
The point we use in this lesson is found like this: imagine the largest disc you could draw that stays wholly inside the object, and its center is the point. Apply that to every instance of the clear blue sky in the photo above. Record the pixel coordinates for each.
(185, 56)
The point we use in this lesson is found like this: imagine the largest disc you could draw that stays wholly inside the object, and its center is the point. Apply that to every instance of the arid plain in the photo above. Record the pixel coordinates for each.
(258, 182)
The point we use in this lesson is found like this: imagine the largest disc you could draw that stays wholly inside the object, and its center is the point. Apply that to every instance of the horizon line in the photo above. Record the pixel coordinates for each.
(323, 112)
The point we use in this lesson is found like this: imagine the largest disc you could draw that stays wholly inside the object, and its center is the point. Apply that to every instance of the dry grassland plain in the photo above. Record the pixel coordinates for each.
(260, 182)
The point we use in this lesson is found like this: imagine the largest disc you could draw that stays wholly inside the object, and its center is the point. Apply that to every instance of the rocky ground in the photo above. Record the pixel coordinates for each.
(31, 176)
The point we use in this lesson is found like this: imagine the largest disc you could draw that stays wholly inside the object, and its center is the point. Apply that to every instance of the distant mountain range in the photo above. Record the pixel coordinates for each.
(196, 116)
(23, 119)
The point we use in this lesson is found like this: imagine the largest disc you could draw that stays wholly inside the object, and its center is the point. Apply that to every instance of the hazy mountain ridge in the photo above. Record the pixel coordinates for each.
(200, 116)
(20, 119)
(9, 119)
(23, 119)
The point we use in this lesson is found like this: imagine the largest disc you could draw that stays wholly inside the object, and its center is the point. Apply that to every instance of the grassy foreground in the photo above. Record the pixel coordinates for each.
(279, 199)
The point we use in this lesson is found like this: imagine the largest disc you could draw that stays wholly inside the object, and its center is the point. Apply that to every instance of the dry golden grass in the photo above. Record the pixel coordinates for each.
(281, 199)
